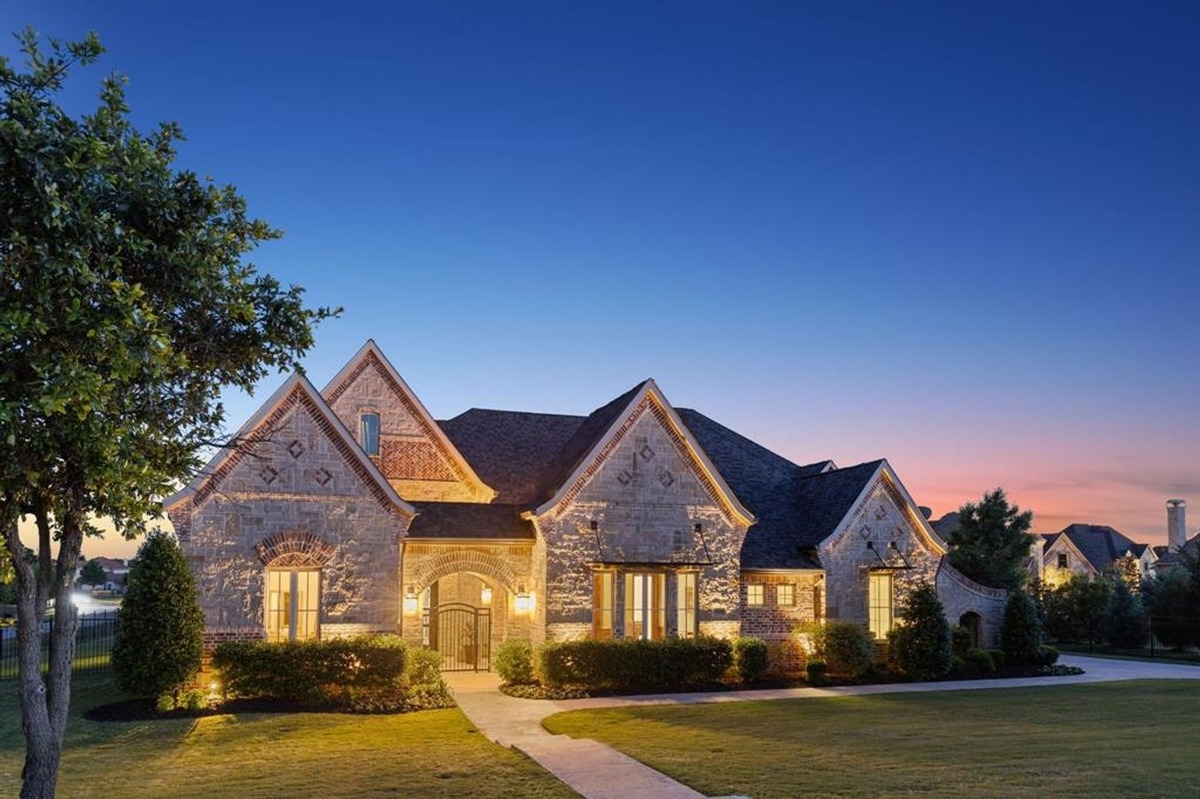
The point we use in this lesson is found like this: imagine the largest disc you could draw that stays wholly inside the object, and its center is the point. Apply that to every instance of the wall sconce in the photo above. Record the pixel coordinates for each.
(410, 600)
(524, 601)
(485, 595)
(698, 528)
(593, 525)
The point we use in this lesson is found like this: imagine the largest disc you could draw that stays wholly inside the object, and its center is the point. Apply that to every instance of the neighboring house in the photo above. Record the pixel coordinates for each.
(352, 510)
(1089, 549)
(115, 571)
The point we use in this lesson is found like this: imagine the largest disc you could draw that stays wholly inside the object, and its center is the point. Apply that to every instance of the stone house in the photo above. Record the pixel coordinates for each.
(1089, 549)
(351, 510)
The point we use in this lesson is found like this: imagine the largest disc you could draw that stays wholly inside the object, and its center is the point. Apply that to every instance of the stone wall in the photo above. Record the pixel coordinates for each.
(961, 595)
(882, 518)
(299, 485)
(646, 498)
(413, 459)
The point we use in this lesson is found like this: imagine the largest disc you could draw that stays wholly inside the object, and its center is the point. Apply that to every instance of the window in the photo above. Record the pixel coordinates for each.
(369, 430)
(879, 603)
(685, 604)
(293, 602)
(645, 605)
(604, 601)
(785, 595)
(754, 594)
(1062, 560)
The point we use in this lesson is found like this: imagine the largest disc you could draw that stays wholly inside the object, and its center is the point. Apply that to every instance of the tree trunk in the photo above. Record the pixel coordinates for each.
(45, 702)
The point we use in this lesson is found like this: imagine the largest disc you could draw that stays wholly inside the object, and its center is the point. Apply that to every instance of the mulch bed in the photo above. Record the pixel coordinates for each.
(144, 709)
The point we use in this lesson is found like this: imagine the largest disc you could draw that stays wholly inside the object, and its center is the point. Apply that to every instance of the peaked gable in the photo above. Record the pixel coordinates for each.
(880, 485)
(296, 396)
(415, 454)
(599, 436)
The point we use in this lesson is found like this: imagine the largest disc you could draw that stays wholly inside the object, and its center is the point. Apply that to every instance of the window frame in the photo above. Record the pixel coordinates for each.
(790, 590)
(369, 439)
(292, 611)
(687, 603)
(756, 595)
(881, 604)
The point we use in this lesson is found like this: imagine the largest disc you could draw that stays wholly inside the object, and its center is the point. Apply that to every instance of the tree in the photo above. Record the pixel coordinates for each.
(125, 309)
(93, 573)
(992, 542)
(160, 627)
(1125, 623)
(920, 647)
(1173, 599)
(1021, 630)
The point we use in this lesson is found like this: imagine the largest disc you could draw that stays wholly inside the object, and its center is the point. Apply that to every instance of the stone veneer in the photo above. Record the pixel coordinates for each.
(412, 456)
(646, 496)
(961, 595)
(882, 517)
(287, 500)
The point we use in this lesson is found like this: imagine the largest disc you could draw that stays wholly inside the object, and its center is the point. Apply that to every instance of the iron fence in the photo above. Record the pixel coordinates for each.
(1174, 635)
(93, 643)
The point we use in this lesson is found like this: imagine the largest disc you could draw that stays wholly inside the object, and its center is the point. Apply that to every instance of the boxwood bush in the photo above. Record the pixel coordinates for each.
(310, 671)
(750, 659)
(631, 664)
(514, 662)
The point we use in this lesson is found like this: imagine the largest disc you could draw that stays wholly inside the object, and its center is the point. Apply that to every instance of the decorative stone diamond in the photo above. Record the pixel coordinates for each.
(322, 477)
(864, 531)
(625, 478)
(268, 474)
(880, 512)
(646, 452)
(666, 478)
(295, 449)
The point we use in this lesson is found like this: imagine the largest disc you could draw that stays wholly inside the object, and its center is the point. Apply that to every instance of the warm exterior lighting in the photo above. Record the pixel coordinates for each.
(524, 600)
(485, 595)
(410, 600)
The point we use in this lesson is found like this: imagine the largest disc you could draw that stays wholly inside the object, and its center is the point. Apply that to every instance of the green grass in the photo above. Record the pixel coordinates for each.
(433, 753)
(1137, 738)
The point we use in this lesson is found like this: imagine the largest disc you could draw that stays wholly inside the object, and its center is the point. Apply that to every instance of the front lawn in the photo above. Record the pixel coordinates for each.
(1136, 738)
(432, 753)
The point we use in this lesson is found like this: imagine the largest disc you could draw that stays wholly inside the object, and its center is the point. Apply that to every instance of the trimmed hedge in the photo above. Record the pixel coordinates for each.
(634, 664)
(311, 671)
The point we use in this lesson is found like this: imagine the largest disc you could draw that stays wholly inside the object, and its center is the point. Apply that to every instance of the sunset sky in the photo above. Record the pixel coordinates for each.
(961, 236)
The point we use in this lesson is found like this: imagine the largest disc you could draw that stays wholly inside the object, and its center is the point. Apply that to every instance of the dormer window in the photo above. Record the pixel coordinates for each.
(369, 433)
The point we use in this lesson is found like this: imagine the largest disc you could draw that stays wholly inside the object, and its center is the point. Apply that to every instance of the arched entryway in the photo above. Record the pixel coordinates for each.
(973, 622)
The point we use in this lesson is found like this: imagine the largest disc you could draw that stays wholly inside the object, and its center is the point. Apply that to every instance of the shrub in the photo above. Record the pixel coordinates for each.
(1021, 630)
(960, 641)
(980, 661)
(920, 647)
(423, 685)
(998, 657)
(311, 671)
(634, 664)
(750, 659)
(1125, 622)
(1046, 656)
(816, 670)
(160, 626)
(847, 648)
(514, 662)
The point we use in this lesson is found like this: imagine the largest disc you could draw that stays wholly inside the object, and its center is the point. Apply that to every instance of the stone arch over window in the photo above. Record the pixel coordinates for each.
(294, 549)
(492, 567)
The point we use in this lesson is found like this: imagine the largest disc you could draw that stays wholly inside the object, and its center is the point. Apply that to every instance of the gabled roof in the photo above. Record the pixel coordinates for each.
(370, 356)
(1098, 543)
(509, 450)
(296, 391)
(469, 520)
(603, 430)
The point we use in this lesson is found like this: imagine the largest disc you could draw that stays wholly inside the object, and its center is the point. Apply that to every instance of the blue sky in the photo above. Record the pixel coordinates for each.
(961, 236)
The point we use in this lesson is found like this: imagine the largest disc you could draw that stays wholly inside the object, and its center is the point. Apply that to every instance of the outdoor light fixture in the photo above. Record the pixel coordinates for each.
(485, 595)
(698, 528)
(524, 600)
(410, 600)
(594, 525)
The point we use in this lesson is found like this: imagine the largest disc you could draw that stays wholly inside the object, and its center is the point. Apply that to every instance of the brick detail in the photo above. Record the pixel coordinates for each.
(294, 548)
(413, 460)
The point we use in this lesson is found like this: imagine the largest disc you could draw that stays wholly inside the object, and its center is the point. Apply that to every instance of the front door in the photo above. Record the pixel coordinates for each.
(462, 634)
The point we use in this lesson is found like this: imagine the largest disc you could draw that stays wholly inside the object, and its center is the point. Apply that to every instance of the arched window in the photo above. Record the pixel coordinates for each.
(369, 433)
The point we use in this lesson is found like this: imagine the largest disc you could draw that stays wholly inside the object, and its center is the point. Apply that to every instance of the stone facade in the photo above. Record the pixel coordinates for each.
(414, 457)
(962, 598)
(882, 533)
(293, 499)
(645, 506)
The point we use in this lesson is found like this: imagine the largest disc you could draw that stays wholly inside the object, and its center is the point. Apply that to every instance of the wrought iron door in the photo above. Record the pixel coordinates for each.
(463, 636)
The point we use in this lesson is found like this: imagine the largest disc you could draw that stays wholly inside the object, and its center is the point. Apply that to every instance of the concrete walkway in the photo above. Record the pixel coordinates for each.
(597, 771)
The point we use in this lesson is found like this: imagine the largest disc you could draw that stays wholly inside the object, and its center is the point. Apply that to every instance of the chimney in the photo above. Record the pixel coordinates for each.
(1176, 524)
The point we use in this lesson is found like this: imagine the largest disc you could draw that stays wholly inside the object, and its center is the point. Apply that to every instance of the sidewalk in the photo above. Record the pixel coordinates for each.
(597, 771)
